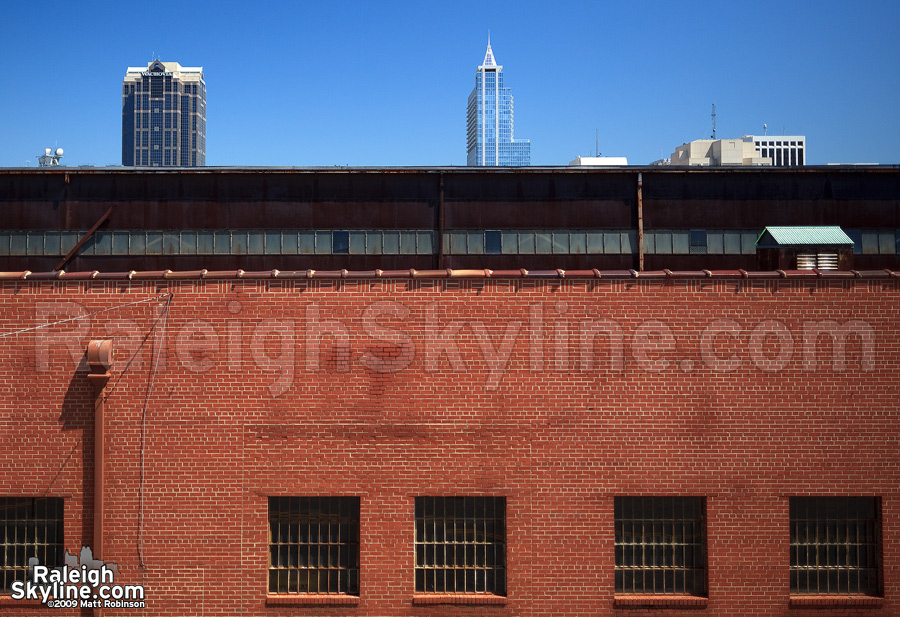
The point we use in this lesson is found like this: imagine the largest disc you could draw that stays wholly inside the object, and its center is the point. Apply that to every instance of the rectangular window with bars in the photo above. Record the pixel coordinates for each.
(835, 545)
(660, 545)
(461, 545)
(314, 545)
(29, 527)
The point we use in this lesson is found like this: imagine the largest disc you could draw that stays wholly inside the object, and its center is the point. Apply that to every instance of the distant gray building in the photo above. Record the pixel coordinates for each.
(164, 116)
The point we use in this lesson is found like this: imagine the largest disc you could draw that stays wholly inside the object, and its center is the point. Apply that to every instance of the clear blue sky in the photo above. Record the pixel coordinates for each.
(382, 83)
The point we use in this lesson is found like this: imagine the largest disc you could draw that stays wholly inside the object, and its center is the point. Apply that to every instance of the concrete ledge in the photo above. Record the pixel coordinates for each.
(659, 601)
(835, 601)
(311, 599)
(458, 598)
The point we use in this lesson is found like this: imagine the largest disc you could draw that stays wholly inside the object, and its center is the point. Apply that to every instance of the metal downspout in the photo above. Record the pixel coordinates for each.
(99, 358)
(640, 215)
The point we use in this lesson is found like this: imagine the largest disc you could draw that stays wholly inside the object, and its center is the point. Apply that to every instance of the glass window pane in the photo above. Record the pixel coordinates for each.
(732, 242)
(577, 242)
(493, 242)
(239, 242)
(119, 242)
(424, 242)
(407, 243)
(4, 242)
(714, 243)
(612, 242)
(476, 243)
(357, 243)
(649, 242)
(509, 243)
(205, 242)
(594, 242)
(18, 243)
(306, 243)
(256, 242)
(681, 242)
(886, 243)
(290, 243)
(188, 242)
(273, 242)
(856, 236)
(663, 242)
(526, 242)
(171, 243)
(629, 242)
(748, 242)
(391, 243)
(323, 242)
(543, 243)
(560, 242)
(137, 243)
(154, 242)
(340, 242)
(374, 242)
(35, 243)
(51, 243)
(869, 243)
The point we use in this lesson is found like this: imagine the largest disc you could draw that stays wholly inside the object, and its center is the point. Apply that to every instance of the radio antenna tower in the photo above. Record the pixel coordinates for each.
(714, 121)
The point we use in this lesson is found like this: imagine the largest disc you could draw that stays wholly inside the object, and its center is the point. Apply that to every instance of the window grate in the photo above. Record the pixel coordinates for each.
(835, 545)
(461, 545)
(314, 545)
(660, 545)
(29, 527)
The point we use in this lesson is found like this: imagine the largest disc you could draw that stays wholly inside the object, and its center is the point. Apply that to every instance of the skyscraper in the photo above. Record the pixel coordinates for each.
(489, 120)
(164, 116)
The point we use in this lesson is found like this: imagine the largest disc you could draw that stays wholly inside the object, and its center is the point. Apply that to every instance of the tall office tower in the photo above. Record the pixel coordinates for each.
(489, 120)
(164, 116)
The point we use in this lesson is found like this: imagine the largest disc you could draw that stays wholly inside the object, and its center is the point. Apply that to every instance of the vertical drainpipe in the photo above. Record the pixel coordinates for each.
(99, 358)
(640, 215)
(440, 226)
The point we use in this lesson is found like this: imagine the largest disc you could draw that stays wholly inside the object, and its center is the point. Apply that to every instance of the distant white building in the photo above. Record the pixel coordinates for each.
(718, 153)
(784, 150)
(749, 150)
(598, 161)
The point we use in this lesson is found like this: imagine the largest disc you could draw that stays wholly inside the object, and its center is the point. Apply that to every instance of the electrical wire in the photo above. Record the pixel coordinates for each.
(158, 343)
(112, 308)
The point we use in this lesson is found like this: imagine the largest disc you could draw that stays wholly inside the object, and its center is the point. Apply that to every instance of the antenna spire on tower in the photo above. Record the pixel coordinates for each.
(714, 120)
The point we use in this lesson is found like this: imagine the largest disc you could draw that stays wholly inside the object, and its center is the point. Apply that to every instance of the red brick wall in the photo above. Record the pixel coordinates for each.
(465, 386)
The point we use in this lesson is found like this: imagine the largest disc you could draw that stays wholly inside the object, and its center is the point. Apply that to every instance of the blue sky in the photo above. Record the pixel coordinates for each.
(385, 83)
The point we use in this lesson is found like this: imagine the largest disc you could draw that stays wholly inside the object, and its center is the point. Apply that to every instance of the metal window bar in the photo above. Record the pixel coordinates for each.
(461, 545)
(835, 545)
(314, 545)
(660, 545)
(29, 527)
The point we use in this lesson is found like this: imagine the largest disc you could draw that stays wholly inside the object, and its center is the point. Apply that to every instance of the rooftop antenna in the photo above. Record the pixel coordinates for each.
(714, 121)
(765, 129)
(50, 157)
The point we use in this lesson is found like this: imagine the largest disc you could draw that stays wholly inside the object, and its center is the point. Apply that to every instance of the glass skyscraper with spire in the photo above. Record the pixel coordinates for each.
(489, 120)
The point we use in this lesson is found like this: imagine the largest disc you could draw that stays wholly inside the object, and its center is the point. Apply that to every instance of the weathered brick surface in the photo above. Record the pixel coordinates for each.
(392, 388)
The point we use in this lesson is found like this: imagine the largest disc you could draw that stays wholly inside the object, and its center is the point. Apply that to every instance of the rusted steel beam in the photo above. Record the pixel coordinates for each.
(84, 238)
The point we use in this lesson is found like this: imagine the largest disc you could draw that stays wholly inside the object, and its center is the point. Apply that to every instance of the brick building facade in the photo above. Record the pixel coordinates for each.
(534, 416)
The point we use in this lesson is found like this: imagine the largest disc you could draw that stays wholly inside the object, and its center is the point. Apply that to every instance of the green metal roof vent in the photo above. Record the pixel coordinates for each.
(785, 237)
